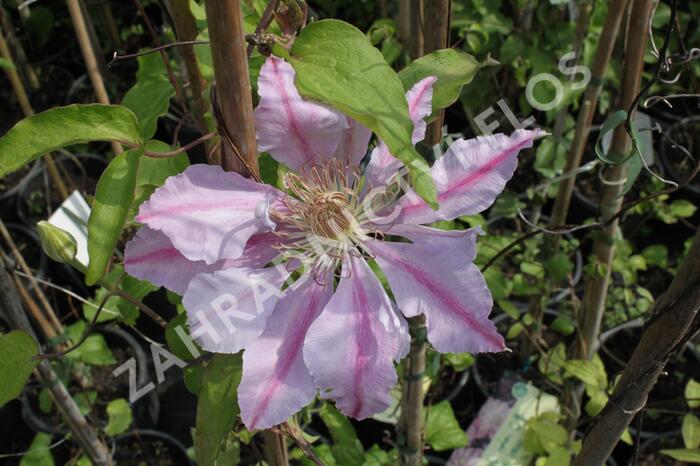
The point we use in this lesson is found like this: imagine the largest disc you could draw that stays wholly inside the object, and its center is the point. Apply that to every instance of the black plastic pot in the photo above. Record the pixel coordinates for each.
(145, 410)
(27, 240)
(671, 156)
(146, 446)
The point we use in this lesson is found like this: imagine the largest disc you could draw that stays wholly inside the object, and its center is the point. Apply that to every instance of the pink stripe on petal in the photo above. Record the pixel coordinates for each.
(427, 277)
(151, 256)
(469, 177)
(420, 105)
(276, 382)
(228, 309)
(351, 346)
(382, 165)
(208, 214)
(295, 132)
(353, 144)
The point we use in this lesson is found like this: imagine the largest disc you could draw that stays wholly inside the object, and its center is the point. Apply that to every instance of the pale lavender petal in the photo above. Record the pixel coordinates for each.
(151, 256)
(462, 241)
(207, 213)
(469, 176)
(350, 348)
(427, 277)
(295, 132)
(228, 309)
(353, 144)
(382, 165)
(260, 249)
(276, 382)
(420, 105)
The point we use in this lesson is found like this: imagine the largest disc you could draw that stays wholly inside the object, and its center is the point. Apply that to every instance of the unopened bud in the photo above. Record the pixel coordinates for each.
(291, 15)
(58, 244)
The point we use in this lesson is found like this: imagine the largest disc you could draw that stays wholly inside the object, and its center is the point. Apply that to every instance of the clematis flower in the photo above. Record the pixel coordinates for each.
(286, 276)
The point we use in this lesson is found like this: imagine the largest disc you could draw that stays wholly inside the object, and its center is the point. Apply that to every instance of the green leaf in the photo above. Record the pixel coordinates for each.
(559, 457)
(586, 371)
(634, 168)
(154, 171)
(149, 98)
(687, 455)
(119, 413)
(691, 431)
(117, 307)
(113, 197)
(347, 449)
(7, 64)
(550, 434)
(230, 453)
(613, 121)
(64, 126)
(335, 63)
(217, 405)
(85, 401)
(442, 431)
(683, 208)
(39, 453)
(460, 361)
(559, 266)
(17, 350)
(93, 350)
(692, 394)
(563, 324)
(375, 456)
(656, 254)
(453, 68)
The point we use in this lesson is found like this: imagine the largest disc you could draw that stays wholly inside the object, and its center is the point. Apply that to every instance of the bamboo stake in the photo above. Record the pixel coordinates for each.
(48, 310)
(437, 36)
(90, 58)
(27, 71)
(596, 289)
(416, 38)
(233, 90)
(403, 20)
(26, 107)
(83, 432)
(606, 43)
(233, 93)
(673, 321)
(412, 414)
(186, 30)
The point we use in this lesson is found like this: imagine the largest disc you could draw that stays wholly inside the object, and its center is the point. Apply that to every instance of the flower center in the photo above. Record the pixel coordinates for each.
(323, 208)
(329, 215)
(325, 202)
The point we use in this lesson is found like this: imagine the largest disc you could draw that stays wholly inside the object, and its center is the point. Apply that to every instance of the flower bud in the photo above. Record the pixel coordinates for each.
(291, 15)
(58, 244)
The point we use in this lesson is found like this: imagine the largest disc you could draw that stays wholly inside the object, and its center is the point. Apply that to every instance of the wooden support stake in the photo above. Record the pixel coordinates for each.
(233, 90)
(596, 288)
(90, 58)
(606, 44)
(675, 318)
(437, 36)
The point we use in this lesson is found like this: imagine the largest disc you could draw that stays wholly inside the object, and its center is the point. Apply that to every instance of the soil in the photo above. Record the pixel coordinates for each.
(666, 403)
(147, 452)
(686, 135)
